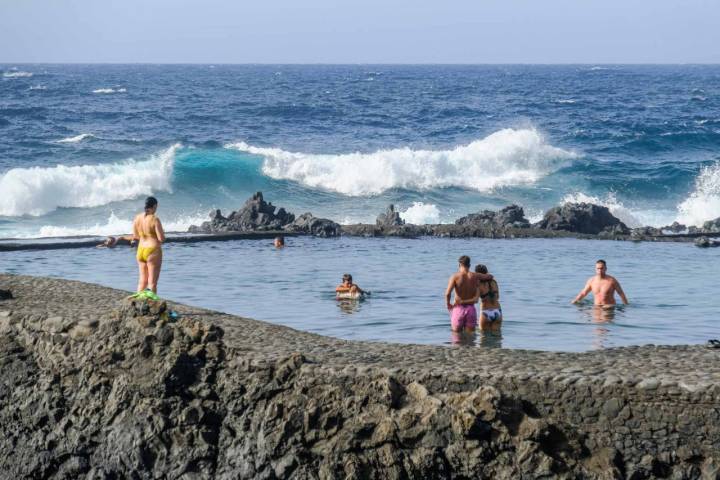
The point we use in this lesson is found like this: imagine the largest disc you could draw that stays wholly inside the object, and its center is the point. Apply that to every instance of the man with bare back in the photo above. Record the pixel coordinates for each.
(463, 316)
(603, 287)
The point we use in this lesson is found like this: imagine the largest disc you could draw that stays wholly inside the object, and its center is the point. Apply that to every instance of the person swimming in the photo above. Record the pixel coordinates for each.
(111, 241)
(488, 293)
(279, 241)
(148, 229)
(348, 289)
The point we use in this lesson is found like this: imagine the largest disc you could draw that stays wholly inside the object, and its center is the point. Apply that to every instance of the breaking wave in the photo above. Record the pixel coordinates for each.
(17, 74)
(109, 90)
(36, 191)
(505, 158)
(76, 138)
(703, 204)
(421, 214)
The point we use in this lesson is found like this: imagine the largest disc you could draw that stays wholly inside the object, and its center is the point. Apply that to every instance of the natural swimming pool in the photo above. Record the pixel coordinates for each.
(672, 287)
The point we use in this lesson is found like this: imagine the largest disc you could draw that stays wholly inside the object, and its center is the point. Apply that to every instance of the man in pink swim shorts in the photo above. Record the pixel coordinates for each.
(463, 316)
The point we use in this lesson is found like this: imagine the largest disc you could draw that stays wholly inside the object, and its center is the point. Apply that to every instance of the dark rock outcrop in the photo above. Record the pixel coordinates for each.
(512, 216)
(582, 218)
(5, 294)
(256, 214)
(712, 226)
(320, 227)
(390, 218)
(675, 227)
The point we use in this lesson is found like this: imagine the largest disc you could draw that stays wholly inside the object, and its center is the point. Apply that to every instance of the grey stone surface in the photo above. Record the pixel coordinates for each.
(582, 218)
(95, 386)
(311, 225)
(512, 216)
(256, 214)
(390, 218)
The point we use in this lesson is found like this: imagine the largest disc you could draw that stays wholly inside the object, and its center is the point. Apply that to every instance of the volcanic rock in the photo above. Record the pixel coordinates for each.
(320, 227)
(5, 294)
(256, 214)
(705, 242)
(510, 216)
(582, 218)
(390, 218)
(712, 226)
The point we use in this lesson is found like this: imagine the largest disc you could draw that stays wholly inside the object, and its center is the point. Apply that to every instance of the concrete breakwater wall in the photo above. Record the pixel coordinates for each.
(94, 386)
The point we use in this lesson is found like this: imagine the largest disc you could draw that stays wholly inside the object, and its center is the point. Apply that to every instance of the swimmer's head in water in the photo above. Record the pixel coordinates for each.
(464, 261)
(480, 268)
(150, 204)
(347, 278)
(279, 241)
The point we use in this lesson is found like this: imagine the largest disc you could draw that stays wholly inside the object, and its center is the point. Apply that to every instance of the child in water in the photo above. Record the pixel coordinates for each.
(347, 288)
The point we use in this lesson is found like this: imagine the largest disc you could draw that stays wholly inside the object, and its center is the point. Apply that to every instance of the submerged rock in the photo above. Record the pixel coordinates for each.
(582, 218)
(510, 216)
(390, 218)
(705, 242)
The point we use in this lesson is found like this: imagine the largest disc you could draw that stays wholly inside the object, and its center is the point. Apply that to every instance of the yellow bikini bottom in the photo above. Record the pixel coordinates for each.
(144, 252)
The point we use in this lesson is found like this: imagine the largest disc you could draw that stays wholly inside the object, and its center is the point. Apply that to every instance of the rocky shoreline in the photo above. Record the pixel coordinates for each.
(94, 386)
(579, 220)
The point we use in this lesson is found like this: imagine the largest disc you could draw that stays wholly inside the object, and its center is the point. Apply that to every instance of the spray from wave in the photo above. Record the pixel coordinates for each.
(76, 138)
(504, 158)
(17, 74)
(36, 191)
(113, 226)
(421, 214)
(704, 202)
(109, 90)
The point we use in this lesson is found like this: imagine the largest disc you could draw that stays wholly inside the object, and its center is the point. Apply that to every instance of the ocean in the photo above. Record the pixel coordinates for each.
(81, 145)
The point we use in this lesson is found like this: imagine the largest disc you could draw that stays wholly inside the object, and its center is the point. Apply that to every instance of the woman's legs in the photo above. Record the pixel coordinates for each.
(154, 263)
(143, 276)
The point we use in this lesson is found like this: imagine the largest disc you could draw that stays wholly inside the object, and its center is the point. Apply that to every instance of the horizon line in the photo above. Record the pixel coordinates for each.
(2, 62)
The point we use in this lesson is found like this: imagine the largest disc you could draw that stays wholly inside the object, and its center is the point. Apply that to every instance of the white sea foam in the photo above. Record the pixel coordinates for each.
(37, 87)
(703, 204)
(76, 138)
(507, 157)
(566, 100)
(110, 90)
(421, 213)
(17, 74)
(36, 191)
(113, 226)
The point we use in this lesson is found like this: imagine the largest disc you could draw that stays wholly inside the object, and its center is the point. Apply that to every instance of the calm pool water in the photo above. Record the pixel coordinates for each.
(673, 288)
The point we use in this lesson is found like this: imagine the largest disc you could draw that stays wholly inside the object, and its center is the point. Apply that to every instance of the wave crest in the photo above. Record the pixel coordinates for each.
(17, 74)
(109, 90)
(76, 138)
(36, 191)
(506, 157)
(703, 204)
(421, 214)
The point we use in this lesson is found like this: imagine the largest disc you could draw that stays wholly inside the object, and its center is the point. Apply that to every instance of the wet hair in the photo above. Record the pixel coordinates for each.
(603, 262)
(280, 239)
(347, 276)
(150, 202)
(464, 261)
(480, 268)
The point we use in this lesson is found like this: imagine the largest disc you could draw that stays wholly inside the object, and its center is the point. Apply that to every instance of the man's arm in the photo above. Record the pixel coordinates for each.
(483, 277)
(448, 292)
(620, 292)
(583, 292)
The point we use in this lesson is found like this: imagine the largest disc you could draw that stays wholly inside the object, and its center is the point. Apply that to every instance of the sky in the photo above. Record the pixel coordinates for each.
(359, 31)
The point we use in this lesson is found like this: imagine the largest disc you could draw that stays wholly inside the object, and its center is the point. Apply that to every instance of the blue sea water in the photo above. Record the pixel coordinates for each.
(80, 145)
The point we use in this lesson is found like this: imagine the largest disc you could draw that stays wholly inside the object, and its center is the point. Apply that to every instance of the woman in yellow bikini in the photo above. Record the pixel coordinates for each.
(148, 229)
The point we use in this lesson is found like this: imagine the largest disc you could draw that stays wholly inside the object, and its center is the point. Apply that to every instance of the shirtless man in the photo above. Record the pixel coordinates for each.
(603, 287)
(463, 316)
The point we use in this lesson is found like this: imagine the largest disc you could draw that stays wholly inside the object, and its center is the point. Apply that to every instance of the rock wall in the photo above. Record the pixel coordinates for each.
(94, 386)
